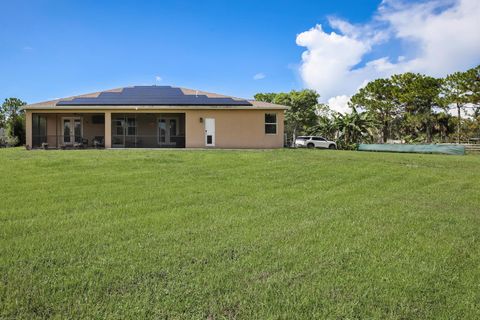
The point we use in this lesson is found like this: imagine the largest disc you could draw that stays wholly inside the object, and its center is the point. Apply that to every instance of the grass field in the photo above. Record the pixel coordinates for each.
(290, 234)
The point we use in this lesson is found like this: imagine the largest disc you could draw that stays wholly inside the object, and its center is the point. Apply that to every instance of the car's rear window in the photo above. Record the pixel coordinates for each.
(303, 138)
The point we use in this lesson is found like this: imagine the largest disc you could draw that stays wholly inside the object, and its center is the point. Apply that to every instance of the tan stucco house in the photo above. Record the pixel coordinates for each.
(154, 117)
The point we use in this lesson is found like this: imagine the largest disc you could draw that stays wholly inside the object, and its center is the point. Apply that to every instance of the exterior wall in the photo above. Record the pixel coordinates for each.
(28, 129)
(147, 124)
(108, 129)
(234, 129)
(54, 128)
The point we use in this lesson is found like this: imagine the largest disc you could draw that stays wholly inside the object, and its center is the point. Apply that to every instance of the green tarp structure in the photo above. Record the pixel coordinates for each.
(414, 148)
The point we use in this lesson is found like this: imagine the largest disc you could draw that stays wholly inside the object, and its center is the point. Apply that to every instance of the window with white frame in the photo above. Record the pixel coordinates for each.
(270, 123)
(131, 127)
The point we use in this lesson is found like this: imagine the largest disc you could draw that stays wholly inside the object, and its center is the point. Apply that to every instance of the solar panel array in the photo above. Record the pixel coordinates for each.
(153, 95)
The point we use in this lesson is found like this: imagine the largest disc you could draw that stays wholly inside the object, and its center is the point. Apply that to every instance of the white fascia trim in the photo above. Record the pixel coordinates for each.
(113, 108)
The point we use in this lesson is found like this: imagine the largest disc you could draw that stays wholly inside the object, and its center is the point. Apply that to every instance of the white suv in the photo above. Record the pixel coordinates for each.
(314, 142)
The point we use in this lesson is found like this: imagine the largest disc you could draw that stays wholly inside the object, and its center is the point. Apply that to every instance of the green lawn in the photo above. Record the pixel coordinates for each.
(289, 234)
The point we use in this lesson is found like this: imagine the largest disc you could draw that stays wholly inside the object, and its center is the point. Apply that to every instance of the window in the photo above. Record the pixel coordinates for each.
(131, 127)
(118, 126)
(124, 130)
(318, 139)
(270, 123)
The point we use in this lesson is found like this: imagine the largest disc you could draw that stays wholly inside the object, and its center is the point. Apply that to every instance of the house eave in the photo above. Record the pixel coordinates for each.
(149, 107)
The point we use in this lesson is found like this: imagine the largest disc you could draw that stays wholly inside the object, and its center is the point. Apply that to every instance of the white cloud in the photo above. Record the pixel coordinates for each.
(339, 103)
(27, 48)
(436, 36)
(259, 76)
(328, 60)
(158, 78)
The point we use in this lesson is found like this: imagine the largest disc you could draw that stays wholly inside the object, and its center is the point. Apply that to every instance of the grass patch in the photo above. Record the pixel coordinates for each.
(238, 234)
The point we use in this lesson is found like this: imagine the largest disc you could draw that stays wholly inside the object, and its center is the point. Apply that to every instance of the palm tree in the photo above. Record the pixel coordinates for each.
(355, 127)
(442, 123)
(325, 126)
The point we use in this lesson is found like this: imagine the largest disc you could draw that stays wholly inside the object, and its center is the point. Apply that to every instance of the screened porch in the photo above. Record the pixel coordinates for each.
(148, 130)
(68, 130)
(126, 130)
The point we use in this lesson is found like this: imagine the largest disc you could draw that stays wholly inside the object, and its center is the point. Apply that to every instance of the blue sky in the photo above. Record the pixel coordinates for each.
(51, 49)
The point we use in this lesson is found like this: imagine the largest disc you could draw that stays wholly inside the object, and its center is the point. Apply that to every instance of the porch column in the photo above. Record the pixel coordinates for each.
(108, 129)
(28, 129)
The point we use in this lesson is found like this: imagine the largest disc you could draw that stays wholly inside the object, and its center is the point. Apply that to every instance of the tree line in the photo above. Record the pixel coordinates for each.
(408, 107)
(12, 122)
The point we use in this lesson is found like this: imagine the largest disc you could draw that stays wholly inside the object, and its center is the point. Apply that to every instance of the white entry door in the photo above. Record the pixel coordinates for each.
(210, 132)
(72, 130)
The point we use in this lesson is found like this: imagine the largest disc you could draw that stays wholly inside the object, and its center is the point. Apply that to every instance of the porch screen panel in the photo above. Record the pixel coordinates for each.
(39, 130)
(124, 130)
(130, 131)
(148, 130)
(118, 138)
(162, 127)
(77, 130)
(67, 131)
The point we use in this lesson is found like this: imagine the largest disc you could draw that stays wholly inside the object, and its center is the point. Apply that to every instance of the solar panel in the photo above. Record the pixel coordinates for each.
(153, 95)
